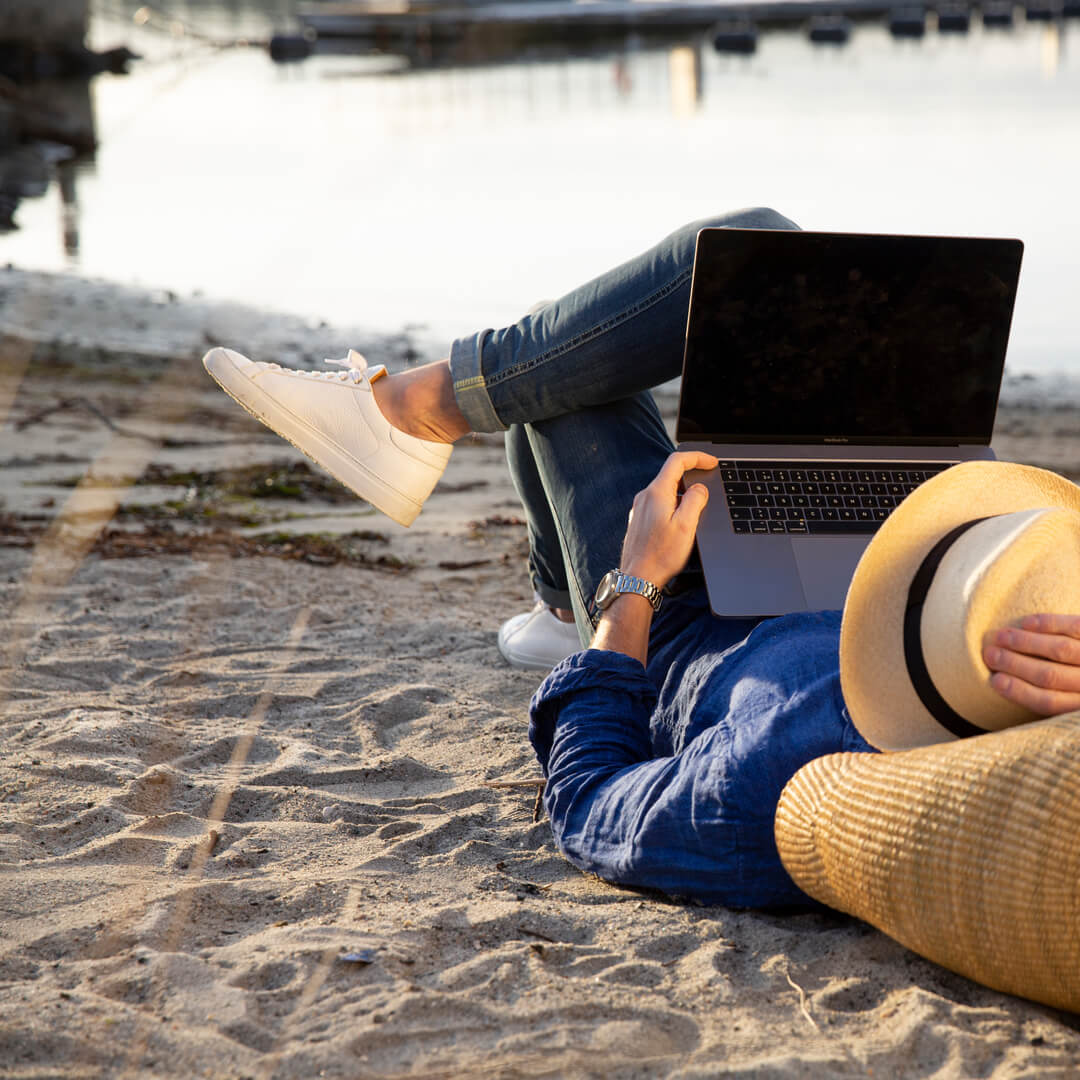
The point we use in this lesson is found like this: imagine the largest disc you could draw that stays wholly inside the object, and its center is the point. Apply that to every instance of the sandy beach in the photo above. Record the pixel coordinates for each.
(251, 821)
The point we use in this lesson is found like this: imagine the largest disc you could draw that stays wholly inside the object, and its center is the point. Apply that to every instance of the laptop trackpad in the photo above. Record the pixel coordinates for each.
(825, 566)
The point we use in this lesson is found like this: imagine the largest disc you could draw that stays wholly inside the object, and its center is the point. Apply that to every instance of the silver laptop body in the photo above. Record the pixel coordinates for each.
(831, 373)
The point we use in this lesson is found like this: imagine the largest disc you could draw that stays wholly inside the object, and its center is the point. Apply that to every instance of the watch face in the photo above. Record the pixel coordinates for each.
(605, 591)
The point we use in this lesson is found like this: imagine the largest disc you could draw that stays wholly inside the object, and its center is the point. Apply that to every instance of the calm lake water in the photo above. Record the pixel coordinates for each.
(356, 189)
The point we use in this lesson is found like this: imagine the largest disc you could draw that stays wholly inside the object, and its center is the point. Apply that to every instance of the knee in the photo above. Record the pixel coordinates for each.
(756, 217)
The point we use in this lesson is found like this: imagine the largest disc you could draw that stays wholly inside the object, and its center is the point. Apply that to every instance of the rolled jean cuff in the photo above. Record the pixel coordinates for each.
(556, 598)
(470, 389)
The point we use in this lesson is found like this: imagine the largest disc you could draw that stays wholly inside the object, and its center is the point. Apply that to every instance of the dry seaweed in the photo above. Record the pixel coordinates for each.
(321, 549)
(162, 538)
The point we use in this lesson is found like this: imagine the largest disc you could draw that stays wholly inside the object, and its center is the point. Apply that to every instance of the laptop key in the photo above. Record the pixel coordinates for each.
(825, 528)
(740, 526)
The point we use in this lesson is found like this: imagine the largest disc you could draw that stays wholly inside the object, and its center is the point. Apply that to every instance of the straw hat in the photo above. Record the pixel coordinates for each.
(964, 852)
(974, 548)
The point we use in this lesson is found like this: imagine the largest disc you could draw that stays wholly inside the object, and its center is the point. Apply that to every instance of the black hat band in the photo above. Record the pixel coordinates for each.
(924, 686)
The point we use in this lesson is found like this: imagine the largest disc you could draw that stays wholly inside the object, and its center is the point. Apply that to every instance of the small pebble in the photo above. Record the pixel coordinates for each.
(361, 956)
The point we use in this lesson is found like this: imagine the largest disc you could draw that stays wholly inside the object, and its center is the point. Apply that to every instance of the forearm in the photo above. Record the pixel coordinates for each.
(624, 627)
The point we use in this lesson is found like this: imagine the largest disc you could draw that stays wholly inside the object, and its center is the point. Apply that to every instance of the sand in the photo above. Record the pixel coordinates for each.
(246, 821)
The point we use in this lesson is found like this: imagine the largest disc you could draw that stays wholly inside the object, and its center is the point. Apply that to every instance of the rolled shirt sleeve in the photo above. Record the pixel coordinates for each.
(616, 811)
(696, 823)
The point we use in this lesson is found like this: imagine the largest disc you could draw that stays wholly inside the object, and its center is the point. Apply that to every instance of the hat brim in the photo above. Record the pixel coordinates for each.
(877, 689)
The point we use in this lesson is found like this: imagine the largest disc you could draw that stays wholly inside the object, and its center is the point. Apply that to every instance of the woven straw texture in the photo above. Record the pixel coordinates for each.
(966, 852)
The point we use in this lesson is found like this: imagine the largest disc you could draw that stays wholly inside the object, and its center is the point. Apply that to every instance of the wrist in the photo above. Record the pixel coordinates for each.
(624, 626)
(621, 582)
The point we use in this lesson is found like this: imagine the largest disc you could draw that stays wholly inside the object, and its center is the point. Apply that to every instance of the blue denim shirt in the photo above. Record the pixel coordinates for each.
(667, 776)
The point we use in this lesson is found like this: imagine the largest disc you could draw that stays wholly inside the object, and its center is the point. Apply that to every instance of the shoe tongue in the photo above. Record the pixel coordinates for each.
(357, 361)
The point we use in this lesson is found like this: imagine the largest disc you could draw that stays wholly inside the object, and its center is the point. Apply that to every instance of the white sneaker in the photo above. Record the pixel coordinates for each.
(537, 639)
(332, 417)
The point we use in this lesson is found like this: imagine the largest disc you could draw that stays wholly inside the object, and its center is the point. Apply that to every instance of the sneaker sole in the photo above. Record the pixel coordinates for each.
(308, 440)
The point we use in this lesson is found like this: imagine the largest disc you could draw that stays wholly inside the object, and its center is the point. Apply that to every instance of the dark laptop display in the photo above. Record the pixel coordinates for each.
(832, 374)
(846, 338)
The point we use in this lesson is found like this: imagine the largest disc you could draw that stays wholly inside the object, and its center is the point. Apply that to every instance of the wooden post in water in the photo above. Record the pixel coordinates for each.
(44, 22)
(44, 96)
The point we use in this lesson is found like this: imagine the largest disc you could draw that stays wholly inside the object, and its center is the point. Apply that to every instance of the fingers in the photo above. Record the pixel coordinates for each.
(1040, 700)
(1050, 624)
(1057, 645)
(1037, 665)
(691, 506)
(680, 463)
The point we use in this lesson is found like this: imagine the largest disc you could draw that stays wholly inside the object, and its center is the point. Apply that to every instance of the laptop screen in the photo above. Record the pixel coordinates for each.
(799, 337)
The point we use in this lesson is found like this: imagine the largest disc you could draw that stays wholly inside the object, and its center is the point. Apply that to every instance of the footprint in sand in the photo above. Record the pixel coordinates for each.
(389, 717)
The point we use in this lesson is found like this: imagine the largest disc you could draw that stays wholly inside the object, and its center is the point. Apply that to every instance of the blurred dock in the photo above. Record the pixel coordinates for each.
(439, 19)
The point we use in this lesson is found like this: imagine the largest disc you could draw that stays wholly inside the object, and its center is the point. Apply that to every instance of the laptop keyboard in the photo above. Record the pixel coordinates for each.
(818, 497)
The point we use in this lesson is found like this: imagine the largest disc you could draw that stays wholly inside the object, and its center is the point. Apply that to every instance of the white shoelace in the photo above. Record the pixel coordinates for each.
(356, 366)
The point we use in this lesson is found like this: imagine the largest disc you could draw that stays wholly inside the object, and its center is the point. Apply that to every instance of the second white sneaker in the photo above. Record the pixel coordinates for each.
(538, 639)
(333, 418)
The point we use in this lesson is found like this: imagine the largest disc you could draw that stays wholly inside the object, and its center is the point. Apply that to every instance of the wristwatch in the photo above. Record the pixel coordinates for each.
(615, 582)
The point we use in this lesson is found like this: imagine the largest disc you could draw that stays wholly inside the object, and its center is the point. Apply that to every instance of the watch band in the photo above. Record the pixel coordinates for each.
(619, 582)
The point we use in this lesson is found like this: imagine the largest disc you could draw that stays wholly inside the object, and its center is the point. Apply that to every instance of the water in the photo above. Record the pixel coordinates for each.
(356, 190)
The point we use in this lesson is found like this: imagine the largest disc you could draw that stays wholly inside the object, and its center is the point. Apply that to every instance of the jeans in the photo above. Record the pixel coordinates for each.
(569, 383)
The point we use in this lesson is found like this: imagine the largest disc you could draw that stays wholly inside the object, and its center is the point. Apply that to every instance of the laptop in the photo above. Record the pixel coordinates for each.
(831, 373)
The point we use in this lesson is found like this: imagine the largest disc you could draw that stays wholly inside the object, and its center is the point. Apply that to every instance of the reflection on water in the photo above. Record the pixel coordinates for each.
(684, 66)
(360, 189)
(1052, 39)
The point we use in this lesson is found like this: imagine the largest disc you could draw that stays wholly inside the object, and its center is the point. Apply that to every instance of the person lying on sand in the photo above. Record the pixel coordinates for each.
(667, 742)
